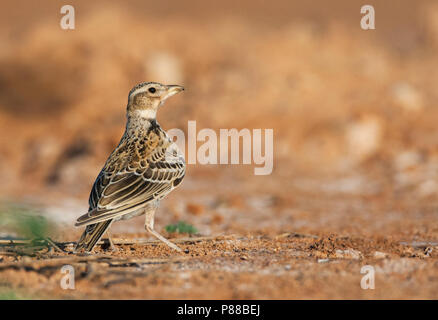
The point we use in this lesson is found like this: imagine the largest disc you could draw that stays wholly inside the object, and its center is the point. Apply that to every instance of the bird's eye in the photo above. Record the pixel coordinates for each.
(152, 90)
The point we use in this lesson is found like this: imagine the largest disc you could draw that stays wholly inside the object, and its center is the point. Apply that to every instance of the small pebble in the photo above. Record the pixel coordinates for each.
(380, 255)
(428, 251)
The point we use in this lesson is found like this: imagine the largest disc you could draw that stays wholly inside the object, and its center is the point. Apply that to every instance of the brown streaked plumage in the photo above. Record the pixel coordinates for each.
(142, 169)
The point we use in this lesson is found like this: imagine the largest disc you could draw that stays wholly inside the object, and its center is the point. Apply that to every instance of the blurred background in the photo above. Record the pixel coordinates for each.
(354, 112)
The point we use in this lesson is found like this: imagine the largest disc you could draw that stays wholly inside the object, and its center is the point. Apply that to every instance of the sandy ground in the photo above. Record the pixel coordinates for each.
(355, 177)
(252, 248)
(287, 266)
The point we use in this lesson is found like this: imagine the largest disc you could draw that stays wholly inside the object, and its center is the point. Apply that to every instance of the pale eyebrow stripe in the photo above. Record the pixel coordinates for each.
(139, 90)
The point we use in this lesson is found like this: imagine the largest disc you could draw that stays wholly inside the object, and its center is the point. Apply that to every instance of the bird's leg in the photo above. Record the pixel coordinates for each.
(149, 226)
(110, 240)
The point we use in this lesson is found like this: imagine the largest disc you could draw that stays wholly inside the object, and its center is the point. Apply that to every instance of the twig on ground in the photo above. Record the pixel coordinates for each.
(176, 240)
(12, 242)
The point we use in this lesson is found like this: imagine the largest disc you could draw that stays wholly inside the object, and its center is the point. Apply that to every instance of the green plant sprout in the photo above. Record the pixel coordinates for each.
(181, 227)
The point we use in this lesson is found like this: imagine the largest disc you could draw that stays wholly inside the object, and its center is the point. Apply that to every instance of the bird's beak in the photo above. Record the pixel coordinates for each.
(172, 90)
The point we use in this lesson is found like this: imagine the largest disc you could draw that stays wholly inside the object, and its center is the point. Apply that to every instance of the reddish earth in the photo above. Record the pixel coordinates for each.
(355, 179)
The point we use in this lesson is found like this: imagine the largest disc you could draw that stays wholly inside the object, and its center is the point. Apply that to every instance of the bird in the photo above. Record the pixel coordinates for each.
(143, 169)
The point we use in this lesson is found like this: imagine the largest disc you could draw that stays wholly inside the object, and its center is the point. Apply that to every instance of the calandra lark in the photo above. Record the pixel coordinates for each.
(142, 169)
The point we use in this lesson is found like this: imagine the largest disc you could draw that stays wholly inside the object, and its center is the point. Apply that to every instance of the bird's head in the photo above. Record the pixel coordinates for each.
(145, 98)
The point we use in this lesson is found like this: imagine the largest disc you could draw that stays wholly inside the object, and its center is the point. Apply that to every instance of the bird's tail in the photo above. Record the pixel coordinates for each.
(92, 235)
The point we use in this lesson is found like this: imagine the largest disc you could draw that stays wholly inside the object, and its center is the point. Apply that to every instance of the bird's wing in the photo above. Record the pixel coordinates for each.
(127, 184)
